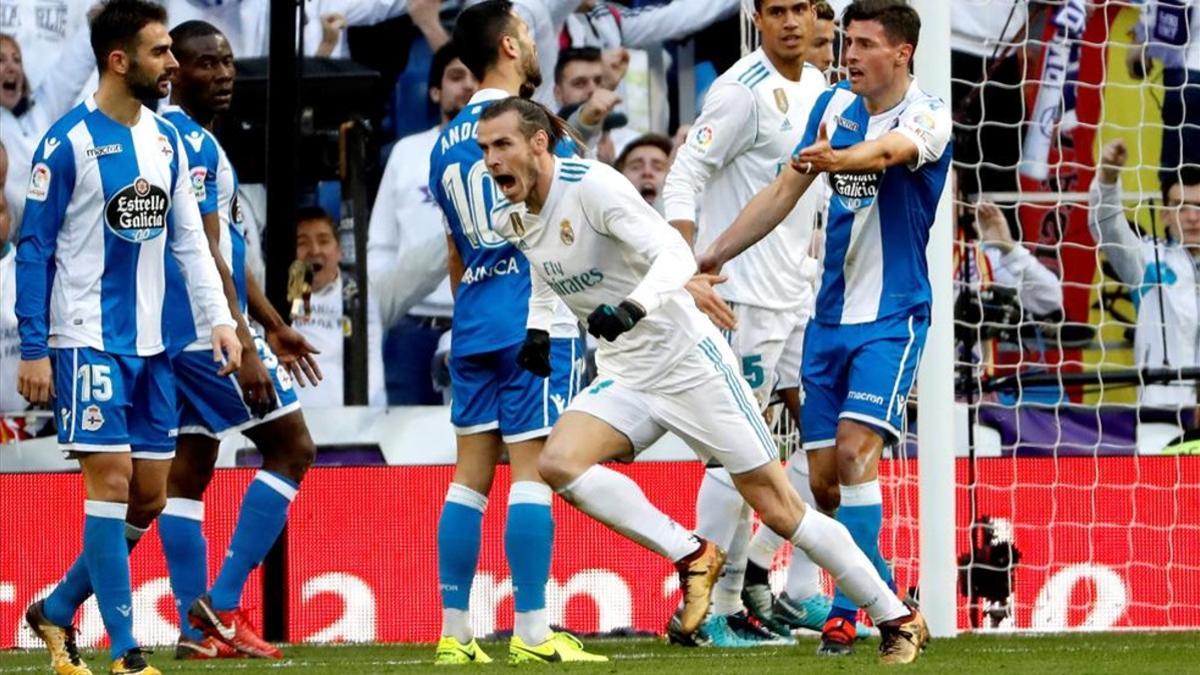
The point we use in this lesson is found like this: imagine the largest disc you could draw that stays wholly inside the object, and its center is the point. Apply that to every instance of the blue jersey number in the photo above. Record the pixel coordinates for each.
(472, 201)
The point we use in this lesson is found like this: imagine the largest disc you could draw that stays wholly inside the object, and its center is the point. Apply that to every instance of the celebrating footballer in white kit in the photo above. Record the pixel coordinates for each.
(753, 116)
(594, 242)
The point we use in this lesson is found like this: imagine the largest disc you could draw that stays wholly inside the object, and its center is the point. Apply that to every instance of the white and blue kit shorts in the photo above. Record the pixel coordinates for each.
(113, 403)
(862, 372)
(211, 405)
(490, 392)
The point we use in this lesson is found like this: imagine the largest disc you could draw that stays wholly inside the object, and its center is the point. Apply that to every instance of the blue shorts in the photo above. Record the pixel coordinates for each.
(211, 405)
(861, 372)
(112, 403)
(489, 391)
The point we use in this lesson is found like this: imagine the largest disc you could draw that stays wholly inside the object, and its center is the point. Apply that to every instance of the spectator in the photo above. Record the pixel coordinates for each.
(45, 28)
(645, 162)
(586, 105)
(406, 249)
(1162, 274)
(317, 244)
(824, 34)
(10, 339)
(1163, 35)
(26, 114)
(986, 75)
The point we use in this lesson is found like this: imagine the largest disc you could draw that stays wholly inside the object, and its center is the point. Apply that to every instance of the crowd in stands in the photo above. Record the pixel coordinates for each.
(609, 69)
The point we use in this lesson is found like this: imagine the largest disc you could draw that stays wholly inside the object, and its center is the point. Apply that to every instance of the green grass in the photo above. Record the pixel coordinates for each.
(1122, 653)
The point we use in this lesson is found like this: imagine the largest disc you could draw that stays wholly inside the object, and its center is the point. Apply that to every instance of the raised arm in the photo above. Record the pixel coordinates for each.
(656, 24)
(1113, 233)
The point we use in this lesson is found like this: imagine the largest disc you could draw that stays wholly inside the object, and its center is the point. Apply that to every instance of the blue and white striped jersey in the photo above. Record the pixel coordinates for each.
(879, 222)
(493, 293)
(105, 204)
(215, 184)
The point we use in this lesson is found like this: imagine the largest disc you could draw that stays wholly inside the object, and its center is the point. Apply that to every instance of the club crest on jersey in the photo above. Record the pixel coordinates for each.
(781, 100)
(235, 210)
(92, 418)
(855, 190)
(39, 183)
(518, 225)
(566, 233)
(138, 211)
(164, 146)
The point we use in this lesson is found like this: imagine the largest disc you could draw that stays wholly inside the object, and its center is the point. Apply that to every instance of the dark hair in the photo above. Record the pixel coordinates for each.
(657, 140)
(442, 59)
(117, 25)
(533, 117)
(824, 11)
(307, 213)
(188, 30)
(477, 34)
(567, 56)
(900, 22)
(1187, 174)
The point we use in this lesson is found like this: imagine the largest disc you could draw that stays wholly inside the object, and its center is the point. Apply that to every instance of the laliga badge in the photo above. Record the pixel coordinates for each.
(566, 233)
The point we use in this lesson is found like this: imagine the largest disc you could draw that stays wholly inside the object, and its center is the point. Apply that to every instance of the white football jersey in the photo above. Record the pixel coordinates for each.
(595, 242)
(752, 119)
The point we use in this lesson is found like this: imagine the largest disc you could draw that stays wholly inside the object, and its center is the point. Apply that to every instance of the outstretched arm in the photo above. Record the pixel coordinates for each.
(768, 208)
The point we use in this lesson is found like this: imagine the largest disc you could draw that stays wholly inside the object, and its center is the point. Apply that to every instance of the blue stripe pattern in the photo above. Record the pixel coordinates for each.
(118, 316)
(750, 411)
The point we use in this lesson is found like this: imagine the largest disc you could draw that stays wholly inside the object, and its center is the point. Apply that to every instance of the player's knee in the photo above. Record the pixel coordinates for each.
(304, 453)
(554, 466)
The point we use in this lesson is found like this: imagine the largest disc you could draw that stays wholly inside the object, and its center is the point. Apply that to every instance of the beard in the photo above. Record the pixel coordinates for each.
(142, 85)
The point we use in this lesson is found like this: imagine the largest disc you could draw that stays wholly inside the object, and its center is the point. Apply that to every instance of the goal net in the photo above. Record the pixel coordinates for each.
(1077, 480)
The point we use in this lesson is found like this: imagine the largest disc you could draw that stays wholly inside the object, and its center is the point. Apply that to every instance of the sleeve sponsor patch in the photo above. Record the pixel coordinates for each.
(702, 137)
(198, 175)
(39, 182)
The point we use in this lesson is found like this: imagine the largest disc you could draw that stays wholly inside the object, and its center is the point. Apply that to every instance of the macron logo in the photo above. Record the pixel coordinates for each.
(875, 399)
(50, 146)
(195, 139)
(125, 610)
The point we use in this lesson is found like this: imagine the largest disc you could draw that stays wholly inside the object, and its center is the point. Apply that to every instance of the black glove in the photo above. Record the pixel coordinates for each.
(608, 322)
(535, 353)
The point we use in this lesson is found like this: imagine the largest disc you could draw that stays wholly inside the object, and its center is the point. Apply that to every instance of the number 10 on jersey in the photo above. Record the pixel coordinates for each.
(473, 202)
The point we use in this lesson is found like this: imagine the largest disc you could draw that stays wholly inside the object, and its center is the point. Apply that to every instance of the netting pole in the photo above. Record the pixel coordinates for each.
(935, 384)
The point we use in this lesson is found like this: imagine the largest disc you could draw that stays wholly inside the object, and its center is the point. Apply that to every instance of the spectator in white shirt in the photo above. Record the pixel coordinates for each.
(10, 339)
(44, 29)
(645, 161)
(406, 246)
(587, 105)
(325, 319)
(26, 113)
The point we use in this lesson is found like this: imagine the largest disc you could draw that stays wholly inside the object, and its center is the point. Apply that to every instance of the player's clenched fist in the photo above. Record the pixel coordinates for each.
(609, 322)
(35, 380)
(535, 353)
(1113, 156)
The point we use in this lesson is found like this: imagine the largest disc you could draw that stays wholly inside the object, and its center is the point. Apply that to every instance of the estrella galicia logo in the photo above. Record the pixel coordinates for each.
(855, 190)
(137, 212)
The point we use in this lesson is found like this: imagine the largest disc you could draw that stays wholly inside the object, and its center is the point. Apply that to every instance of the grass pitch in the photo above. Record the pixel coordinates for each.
(1121, 653)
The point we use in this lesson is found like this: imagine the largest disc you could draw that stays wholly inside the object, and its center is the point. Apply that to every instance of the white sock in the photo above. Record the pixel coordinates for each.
(619, 503)
(803, 575)
(134, 533)
(829, 544)
(719, 508)
(532, 627)
(456, 623)
(727, 594)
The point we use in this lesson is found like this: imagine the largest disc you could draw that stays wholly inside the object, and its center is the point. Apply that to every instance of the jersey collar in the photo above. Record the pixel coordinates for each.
(487, 95)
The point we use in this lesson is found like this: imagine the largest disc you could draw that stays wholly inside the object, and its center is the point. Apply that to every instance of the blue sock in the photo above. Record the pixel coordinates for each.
(76, 586)
(107, 557)
(861, 511)
(459, 532)
(186, 552)
(263, 515)
(528, 542)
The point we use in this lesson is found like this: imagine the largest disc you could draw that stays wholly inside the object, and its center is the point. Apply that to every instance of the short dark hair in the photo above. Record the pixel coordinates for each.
(900, 22)
(118, 23)
(656, 140)
(442, 59)
(1187, 174)
(188, 30)
(477, 34)
(824, 11)
(307, 213)
(572, 54)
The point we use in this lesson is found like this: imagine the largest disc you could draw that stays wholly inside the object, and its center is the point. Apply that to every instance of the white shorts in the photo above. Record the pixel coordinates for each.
(769, 344)
(717, 417)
